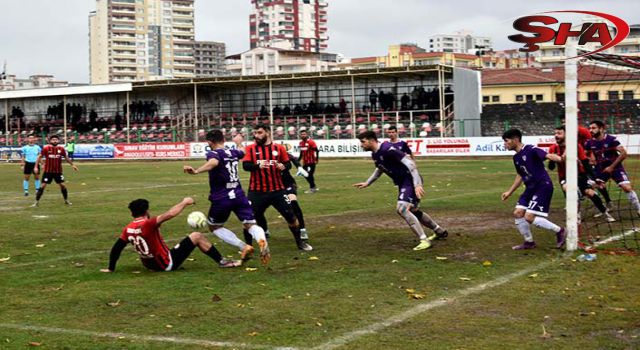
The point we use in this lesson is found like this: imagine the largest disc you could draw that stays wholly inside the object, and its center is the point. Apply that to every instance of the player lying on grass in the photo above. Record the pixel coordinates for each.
(144, 233)
(535, 202)
(404, 173)
(226, 195)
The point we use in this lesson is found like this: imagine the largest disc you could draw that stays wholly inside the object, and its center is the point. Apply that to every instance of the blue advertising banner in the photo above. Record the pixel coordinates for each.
(93, 151)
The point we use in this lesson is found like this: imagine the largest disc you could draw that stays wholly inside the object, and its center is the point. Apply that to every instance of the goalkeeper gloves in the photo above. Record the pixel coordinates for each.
(302, 172)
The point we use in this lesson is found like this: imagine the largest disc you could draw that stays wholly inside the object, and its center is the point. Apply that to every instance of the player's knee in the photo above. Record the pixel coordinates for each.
(589, 193)
(518, 213)
(530, 217)
(293, 197)
(196, 237)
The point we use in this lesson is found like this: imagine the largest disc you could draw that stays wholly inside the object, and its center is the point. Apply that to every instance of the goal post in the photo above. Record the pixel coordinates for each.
(571, 142)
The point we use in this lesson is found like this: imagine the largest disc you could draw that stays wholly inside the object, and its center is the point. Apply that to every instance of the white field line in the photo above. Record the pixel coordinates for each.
(614, 238)
(421, 308)
(142, 338)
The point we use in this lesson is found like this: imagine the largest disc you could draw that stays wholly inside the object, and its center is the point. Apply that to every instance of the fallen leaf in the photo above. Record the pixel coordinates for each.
(313, 258)
(410, 290)
(169, 326)
(5, 259)
(240, 306)
(39, 246)
(253, 334)
(251, 269)
(487, 263)
(191, 259)
(619, 309)
(534, 275)
(136, 272)
(216, 298)
(441, 258)
(318, 324)
(417, 296)
(34, 343)
(114, 303)
(394, 261)
(544, 333)
(464, 278)
(78, 265)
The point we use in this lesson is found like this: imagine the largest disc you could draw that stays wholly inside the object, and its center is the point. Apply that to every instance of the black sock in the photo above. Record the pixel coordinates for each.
(65, 194)
(296, 234)
(298, 211)
(248, 239)
(605, 194)
(39, 194)
(598, 203)
(214, 254)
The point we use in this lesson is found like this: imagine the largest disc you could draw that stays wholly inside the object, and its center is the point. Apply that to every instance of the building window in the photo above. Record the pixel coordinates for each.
(539, 97)
(614, 95)
(519, 98)
(485, 99)
(529, 98)
(495, 98)
(593, 96)
(627, 95)
(559, 97)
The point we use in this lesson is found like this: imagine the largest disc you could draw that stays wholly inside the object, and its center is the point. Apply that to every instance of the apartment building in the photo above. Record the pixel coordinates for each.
(210, 59)
(460, 42)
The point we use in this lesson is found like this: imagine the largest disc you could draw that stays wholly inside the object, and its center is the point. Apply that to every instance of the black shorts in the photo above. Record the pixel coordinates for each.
(583, 183)
(49, 177)
(28, 168)
(181, 252)
(291, 189)
(260, 201)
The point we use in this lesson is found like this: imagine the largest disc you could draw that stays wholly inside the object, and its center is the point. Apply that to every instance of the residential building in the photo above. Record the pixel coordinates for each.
(505, 59)
(270, 60)
(412, 55)
(523, 85)
(210, 59)
(289, 24)
(33, 82)
(133, 40)
(460, 42)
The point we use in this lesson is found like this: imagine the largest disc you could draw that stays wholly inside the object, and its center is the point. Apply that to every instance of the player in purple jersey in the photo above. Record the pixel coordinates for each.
(404, 173)
(534, 203)
(392, 131)
(226, 195)
(608, 154)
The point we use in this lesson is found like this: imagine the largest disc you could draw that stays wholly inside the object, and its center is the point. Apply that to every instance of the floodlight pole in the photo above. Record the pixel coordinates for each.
(64, 116)
(571, 143)
(195, 112)
(353, 105)
(271, 106)
(6, 120)
(128, 112)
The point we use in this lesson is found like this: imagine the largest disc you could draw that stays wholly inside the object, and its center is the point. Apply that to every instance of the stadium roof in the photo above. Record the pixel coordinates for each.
(65, 91)
(533, 76)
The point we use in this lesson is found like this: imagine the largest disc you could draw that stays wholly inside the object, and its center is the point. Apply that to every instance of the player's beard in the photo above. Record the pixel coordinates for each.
(595, 135)
(260, 141)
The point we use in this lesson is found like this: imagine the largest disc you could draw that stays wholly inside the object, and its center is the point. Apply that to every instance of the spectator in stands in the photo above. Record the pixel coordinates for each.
(343, 106)
(404, 102)
(132, 110)
(312, 108)
(118, 121)
(373, 99)
(297, 110)
(277, 111)
(153, 109)
(93, 116)
(382, 99)
(286, 111)
(263, 111)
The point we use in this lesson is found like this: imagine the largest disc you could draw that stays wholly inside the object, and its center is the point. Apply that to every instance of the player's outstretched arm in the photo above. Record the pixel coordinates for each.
(376, 174)
(175, 210)
(554, 158)
(210, 164)
(516, 183)
(115, 255)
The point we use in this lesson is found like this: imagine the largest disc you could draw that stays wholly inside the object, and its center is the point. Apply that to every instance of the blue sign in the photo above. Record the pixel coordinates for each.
(90, 151)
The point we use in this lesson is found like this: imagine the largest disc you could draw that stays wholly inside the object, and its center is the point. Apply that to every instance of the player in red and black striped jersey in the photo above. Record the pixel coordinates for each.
(144, 233)
(310, 155)
(52, 155)
(266, 160)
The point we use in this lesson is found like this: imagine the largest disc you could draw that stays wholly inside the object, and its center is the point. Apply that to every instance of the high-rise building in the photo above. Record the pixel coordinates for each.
(210, 58)
(460, 42)
(141, 40)
(289, 24)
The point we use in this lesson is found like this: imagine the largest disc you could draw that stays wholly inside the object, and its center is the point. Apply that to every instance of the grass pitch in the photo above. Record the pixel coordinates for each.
(361, 288)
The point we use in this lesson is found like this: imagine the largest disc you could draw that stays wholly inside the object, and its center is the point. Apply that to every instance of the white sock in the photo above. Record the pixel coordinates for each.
(633, 198)
(525, 229)
(257, 233)
(546, 224)
(229, 237)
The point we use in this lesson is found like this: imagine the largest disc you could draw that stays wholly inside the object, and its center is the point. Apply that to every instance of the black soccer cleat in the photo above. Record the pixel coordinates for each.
(439, 236)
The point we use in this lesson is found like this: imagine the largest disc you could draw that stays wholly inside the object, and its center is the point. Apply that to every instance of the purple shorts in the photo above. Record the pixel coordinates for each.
(618, 175)
(407, 193)
(221, 209)
(537, 199)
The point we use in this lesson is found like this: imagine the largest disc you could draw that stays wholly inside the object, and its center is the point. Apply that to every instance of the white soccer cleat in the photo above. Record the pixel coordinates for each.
(608, 217)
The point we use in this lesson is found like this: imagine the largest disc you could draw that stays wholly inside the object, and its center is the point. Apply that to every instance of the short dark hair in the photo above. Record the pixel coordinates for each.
(511, 134)
(561, 128)
(301, 131)
(139, 207)
(599, 123)
(54, 136)
(392, 127)
(265, 127)
(368, 135)
(215, 136)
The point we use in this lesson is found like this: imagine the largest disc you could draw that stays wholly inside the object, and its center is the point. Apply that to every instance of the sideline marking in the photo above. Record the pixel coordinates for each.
(136, 337)
(417, 310)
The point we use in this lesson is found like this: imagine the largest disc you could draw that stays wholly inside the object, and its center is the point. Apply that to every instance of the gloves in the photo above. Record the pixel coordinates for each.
(302, 172)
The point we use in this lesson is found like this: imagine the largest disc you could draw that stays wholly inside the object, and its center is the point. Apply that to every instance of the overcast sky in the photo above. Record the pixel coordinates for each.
(51, 36)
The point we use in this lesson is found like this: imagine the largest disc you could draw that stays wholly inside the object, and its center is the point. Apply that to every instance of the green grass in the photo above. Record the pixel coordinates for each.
(364, 266)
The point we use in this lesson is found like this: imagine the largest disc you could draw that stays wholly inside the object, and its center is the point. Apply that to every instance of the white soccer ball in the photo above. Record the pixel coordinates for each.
(197, 220)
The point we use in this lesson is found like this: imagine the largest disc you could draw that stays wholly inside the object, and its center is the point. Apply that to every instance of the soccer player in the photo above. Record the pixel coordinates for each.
(608, 154)
(310, 155)
(534, 203)
(291, 191)
(52, 155)
(392, 131)
(404, 173)
(226, 195)
(266, 160)
(144, 233)
(585, 172)
(30, 153)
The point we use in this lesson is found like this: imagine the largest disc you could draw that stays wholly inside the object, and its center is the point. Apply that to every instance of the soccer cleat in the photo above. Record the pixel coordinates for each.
(561, 237)
(610, 218)
(438, 236)
(525, 245)
(312, 190)
(35, 204)
(305, 246)
(265, 254)
(229, 263)
(303, 234)
(597, 215)
(68, 203)
(247, 253)
(267, 234)
(26, 194)
(424, 244)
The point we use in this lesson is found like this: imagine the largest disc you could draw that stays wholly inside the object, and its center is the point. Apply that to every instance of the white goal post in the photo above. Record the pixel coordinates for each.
(571, 142)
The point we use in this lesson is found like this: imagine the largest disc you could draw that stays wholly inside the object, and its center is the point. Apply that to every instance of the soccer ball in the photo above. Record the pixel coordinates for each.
(197, 219)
